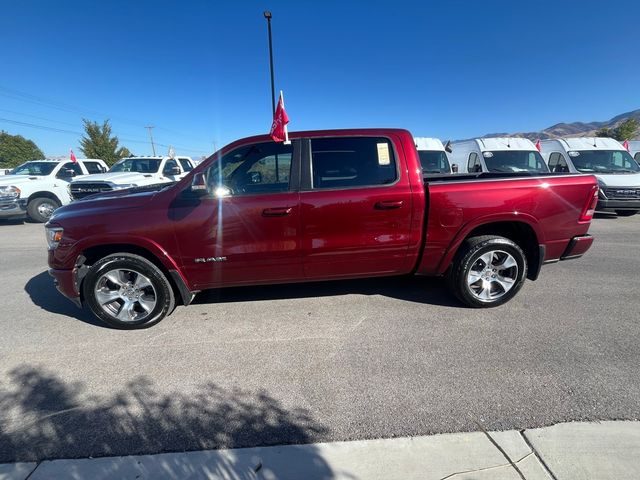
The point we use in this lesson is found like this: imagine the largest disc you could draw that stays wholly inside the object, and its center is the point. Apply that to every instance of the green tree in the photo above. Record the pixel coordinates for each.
(98, 143)
(625, 131)
(15, 149)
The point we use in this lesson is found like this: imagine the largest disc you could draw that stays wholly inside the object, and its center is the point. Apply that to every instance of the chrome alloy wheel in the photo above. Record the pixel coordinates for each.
(126, 295)
(46, 209)
(492, 275)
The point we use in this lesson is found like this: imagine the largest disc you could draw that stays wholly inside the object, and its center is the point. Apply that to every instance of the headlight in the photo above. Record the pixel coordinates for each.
(54, 235)
(9, 192)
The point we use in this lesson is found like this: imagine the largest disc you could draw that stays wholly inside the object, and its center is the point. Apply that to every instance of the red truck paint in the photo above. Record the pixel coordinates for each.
(411, 226)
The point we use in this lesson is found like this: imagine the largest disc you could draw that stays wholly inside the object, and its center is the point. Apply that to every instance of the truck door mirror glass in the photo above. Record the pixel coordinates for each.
(172, 171)
(256, 177)
(454, 167)
(66, 173)
(198, 185)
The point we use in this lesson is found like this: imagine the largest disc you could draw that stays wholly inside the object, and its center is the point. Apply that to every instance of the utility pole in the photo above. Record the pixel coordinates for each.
(153, 147)
(267, 15)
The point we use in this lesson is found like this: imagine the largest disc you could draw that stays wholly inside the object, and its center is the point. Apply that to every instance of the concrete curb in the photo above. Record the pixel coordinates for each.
(561, 452)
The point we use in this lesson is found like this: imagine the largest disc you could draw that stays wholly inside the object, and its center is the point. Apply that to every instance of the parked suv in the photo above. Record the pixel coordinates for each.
(133, 172)
(38, 187)
(617, 172)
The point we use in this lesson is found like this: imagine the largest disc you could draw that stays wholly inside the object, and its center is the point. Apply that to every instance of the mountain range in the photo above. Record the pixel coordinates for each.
(575, 129)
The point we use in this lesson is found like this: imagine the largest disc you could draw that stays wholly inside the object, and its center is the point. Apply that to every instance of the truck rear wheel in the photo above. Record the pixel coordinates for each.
(626, 213)
(127, 291)
(488, 271)
(40, 209)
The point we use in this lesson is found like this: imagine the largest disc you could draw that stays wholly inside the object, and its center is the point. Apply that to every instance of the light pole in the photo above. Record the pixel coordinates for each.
(267, 15)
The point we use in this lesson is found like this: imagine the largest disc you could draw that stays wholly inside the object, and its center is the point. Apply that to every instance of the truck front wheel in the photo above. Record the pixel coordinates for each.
(488, 271)
(128, 291)
(40, 209)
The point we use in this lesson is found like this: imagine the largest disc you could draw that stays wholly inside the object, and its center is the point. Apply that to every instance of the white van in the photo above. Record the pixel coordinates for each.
(501, 155)
(433, 155)
(634, 150)
(617, 173)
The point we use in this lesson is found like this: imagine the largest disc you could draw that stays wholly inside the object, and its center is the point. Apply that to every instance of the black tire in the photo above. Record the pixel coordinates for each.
(37, 209)
(626, 213)
(468, 259)
(128, 267)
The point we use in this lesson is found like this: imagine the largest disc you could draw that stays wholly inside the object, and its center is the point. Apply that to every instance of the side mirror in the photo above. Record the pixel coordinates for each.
(66, 173)
(172, 171)
(256, 177)
(454, 167)
(198, 186)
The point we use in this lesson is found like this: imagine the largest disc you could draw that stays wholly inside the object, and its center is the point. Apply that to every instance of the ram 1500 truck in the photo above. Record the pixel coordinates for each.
(330, 205)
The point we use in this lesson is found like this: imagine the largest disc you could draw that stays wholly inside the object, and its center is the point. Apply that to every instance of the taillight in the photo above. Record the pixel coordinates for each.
(589, 207)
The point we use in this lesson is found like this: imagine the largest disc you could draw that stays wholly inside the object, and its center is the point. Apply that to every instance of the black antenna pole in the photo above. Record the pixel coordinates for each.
(267, 15)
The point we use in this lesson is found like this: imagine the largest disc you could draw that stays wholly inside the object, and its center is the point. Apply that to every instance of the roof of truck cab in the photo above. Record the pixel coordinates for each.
(427, 143)
(505, 143)
(585, 143)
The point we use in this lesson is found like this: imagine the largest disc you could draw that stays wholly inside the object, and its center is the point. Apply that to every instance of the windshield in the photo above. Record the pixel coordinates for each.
(434, 161)
(34, 168)
(139, 165)
(604, 161)
(515, 161)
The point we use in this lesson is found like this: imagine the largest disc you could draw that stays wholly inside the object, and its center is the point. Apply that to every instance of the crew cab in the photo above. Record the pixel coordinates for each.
(499, 155)
(38, 187)
(617, 172)
(332, 204)
(133, 172)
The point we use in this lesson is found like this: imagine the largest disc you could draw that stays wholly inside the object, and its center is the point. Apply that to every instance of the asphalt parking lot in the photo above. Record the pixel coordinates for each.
(317, 362)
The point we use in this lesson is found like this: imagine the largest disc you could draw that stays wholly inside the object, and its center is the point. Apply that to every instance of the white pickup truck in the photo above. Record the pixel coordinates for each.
(133, 172)
(38, 187)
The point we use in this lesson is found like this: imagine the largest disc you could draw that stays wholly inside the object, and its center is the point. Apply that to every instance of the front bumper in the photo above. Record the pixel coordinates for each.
(614, 204)
(66, 281)
(13, 208)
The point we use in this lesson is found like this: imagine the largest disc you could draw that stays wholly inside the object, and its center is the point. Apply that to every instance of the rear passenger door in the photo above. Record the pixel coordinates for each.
(355, 206)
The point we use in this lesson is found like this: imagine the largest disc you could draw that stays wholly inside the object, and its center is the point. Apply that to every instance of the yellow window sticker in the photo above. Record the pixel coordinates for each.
(383, 154)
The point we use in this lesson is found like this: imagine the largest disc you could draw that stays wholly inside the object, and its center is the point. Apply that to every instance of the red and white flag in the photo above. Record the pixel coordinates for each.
(279, 126)
(538, 145)
(626, 145)
(72, 156)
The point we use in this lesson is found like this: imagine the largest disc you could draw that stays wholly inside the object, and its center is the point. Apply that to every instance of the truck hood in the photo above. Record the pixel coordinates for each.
(620, 179)
(118, 178)
(126, 199)
(18, 179)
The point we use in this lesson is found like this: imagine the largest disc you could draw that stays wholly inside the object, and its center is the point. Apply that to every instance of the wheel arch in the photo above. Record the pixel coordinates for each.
(92, 254)
(525, 234)
(44, 194)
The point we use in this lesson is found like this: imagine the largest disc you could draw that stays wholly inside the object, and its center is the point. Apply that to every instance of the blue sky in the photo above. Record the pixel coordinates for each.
(198, 70)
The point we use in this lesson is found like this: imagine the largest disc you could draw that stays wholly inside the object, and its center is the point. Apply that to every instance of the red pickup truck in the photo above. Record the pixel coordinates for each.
(330, 205)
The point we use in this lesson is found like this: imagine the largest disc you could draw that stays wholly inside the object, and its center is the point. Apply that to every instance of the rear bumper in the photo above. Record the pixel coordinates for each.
(67, 284)
(13, 208)
(577, 247)
(616, 204)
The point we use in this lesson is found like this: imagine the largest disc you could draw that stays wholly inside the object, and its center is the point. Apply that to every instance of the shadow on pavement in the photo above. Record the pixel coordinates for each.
(43, 417)
(426, 290)
(43, 293)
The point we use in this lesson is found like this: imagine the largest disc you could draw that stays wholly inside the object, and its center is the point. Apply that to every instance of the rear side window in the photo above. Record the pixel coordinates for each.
(474, 164)
(94, 167)
(348, 162)
(186, 164)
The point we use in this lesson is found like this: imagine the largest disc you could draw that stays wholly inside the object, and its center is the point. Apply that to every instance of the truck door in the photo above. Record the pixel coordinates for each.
(356, 208)
(247, 229)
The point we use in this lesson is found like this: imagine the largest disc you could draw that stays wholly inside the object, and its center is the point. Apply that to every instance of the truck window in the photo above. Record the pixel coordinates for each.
(34, 168)
(636, 157)
(352, 162)
(139, 165)
(474, 164)
(168, 166)
(72, 166)
(254, 169)
(557, 163)
(434, 161)
(186, 164)
(514, 161)
(94, 167)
